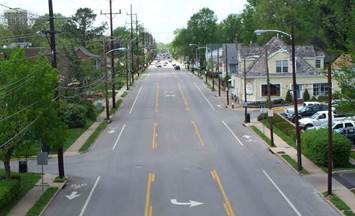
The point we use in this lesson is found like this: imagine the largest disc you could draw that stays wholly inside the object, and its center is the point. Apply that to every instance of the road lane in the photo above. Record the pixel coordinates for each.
(190, 145)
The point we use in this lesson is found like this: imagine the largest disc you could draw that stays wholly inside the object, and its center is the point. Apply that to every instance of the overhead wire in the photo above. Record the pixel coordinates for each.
(14, 114)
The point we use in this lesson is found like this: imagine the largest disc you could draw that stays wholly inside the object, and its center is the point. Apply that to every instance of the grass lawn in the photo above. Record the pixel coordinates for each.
(281, 134)
(352, 155)
(73, 134)
(93, 137)
(340, 204)
(28, 180)
(261, 135)
(293, 163)
(42, 202)
(124, 94)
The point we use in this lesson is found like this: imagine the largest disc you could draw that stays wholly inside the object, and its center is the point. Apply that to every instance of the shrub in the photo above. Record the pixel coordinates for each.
(322, 98)
(9, 190)
(74, 115)
(315, 147)
(91, 110)
(288, 97)
(306, 95)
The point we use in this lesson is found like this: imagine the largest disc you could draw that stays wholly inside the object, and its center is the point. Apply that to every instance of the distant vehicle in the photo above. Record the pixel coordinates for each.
(158, 66)
(174, 64)
(177, 67)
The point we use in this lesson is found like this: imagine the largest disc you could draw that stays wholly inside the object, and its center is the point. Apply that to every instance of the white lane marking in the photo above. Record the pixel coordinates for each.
(73, 195)
(282, 194)
(89, 197)
(231, 131)
(135, 100)
(204, 96)
(119, 137)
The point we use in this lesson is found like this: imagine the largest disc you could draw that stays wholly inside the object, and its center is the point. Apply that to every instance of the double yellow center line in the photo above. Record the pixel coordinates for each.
(155, 136)
(148, 210)
(227, 205)
(197, 132)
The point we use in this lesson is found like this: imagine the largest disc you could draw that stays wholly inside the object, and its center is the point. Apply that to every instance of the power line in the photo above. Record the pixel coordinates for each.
(26, 108)
(19, 133)
(16, 82)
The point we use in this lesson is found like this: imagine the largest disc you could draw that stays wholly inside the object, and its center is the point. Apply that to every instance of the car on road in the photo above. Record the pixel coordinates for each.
(159, 66)
(177, 67)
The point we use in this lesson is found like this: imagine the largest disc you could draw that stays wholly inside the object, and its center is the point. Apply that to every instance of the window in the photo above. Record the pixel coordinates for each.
(338, 126)
(275, 90)
(323, 116)
(320, 89)
(282, 66)
(317, 63)
(348, 125)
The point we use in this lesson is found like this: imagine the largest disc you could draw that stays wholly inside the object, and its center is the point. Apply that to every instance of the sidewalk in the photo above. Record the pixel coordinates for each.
(317, 177)
(27, 201)
(74, 148)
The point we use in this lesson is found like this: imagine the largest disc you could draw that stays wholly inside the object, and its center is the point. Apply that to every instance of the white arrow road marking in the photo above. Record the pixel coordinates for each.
(246, 136)
(119, 136)
(89, 197)
(73, 195)
(78, 186)
(233, 134)
(191, 203)
(111, 131)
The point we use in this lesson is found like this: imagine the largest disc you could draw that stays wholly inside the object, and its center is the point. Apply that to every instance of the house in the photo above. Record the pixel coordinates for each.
(222, 58)
(84, 54)
(309, 71)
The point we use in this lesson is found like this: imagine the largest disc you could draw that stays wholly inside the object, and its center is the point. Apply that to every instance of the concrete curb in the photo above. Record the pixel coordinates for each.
(53, 197)
(331, 204)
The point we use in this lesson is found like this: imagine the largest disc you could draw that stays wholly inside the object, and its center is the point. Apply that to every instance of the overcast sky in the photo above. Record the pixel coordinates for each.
(160, 17)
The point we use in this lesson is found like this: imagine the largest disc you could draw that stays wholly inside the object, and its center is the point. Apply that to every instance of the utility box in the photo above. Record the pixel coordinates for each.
(22, 166)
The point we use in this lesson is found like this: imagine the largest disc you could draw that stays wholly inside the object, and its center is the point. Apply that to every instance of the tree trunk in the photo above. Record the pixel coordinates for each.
(7, 165)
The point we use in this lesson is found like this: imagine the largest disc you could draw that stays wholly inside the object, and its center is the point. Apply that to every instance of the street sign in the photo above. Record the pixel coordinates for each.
(42, 158)
(270, 113)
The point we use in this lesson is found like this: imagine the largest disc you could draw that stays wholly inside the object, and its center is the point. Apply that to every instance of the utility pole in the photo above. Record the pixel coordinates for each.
(54, 65)
(132, 56)
(219, 78)
(245, 94)
(106, 82)
(138, 34)
(330, 130)
(212, 73)
(126, 67)
(269, 97)
(227, 80)
(113, 71)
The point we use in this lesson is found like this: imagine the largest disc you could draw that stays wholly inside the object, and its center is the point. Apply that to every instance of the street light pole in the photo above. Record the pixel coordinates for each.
(219, 78)
(227, 79)
(269, 97)
(330, 130)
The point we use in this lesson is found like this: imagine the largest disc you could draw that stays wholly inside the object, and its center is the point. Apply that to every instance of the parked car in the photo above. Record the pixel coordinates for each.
(290, 111)
(320, 119)
(307, 111)
(177, 67)
(349, 133)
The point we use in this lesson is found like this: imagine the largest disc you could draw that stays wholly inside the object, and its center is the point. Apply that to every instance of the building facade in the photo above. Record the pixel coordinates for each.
(309, 71)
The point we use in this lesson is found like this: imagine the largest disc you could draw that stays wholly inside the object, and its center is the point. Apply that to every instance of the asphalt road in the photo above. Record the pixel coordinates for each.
(173, 150)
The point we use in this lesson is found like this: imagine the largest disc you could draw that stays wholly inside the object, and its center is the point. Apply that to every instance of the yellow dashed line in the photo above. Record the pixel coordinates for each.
(157, 95)
(197, 132)
(187, 108)
(227, 205)
(148, 210)
(155, 136)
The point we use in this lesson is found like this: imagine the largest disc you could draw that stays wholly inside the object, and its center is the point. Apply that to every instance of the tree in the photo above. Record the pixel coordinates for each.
(306, 95)
(203, 27)
(346, 81)
(81, 28)
(231, 28)
(289, 97)
(26, 93)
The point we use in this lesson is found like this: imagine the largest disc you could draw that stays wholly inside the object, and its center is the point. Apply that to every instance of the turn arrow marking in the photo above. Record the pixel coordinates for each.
(191, 203)
(73, 195)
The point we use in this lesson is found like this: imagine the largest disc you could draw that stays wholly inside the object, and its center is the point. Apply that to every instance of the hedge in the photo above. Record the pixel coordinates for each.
(9, 190)
(315, 147)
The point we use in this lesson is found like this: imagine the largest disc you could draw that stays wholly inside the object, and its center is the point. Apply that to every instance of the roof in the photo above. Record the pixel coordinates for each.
(87, 52)
(273, 46)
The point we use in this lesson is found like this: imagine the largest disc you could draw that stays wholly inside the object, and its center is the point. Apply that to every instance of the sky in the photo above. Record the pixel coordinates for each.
(159, 17)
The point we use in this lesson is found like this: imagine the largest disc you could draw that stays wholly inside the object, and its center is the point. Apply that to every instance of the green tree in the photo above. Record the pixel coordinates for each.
(230, 28)
(81, 27)
(26, 93)
(306, 95)
(203, 27)
(346, 81)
